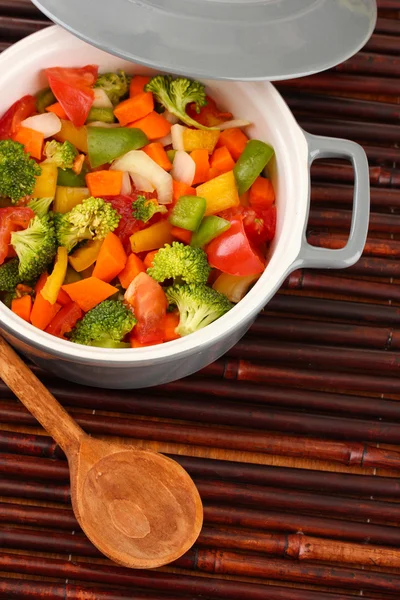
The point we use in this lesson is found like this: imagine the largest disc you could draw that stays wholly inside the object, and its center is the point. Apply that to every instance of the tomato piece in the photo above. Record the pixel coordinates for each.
(259, 224)
(65, 320)
(232, 252)
(12, 219)
(149, 304)
(18, 112)
(78, 77)
(209, 114)
(76, 101)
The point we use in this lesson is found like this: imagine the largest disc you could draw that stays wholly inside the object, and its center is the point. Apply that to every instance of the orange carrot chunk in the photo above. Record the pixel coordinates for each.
(43, 312)
(111, 259)
(31, 140)
(104, 183)
(134, 108)
(87, 293)
(133, 267)
(156, 151)
(181, 189)
(22, 307)
(235, 140)
(58, 110)
(148, 261)
(183, 235)
(155, 126)
(200, 158)
(171, 323)
(137, 84)
(222, 160)
(261, 193)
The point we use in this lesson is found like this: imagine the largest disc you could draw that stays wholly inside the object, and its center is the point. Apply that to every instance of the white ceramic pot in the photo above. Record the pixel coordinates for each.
(21, 73)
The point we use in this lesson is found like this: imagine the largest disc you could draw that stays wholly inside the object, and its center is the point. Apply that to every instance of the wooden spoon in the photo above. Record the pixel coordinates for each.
(141, 509)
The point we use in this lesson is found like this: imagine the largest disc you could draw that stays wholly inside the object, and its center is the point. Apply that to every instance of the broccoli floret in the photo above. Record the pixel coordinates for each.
(93, 219)
(115, 85)
(181, 263)
(176, 94)
(144, 209)
(35, 246)
(198, 305)
(40, 206)
(62, 154)
(9, 275)
(105, 325)
(17, 171)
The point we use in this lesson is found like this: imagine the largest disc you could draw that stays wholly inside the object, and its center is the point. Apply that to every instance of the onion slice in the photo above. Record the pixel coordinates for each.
(126, 187)
(101, 100)
(170, 117)
(177, 137)
(166, 140)
(137, 162)
(141, 183)
(47, 123)
(234, 123)
(102, 124)
(183, 168)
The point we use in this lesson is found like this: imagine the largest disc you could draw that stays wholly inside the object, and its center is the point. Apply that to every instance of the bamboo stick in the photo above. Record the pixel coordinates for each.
(375, 267)
(371, 63)
(20, 7)
(348, 484)
(154, 580)
(384, 44)
(359, 130)
(350, 453)
(345, 82)
(341, 219)
(373, 246)
(16, 28)
(339, 173)
(388, 5)
(332, 194)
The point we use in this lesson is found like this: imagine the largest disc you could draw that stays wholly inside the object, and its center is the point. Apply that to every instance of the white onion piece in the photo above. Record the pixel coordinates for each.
(101, 100)
(141, 183)
(177, 137)
(166, 140)
(170, 117)
(126, 187)
(233, 123)
(183, 168)
(102, 124)
(137, 162)
(47, 123)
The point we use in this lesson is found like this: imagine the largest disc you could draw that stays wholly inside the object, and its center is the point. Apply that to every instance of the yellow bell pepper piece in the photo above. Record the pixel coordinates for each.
(152, 238)
(71, 276)
(220, 193)
(46, 182)
(234, 287)
(85, 257)
(196, 139)
(76, 135)
(69, 197)
(54, 282)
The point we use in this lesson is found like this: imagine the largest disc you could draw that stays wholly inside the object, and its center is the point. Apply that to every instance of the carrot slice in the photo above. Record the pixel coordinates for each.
(111, 259)
(213, 173)
(134, 108)
(222, 160)
(155, 126)
(31, 140)
(87, 293)
(183, 235)
(43, 312)
(22, 307)
(181, 189)
(58, 110)
(148, 261)
(235, 140)
(200, 158)
(262, 193)
(137, 84)
(104, 183)
(156, 151)
(171, 323)
(133, 267)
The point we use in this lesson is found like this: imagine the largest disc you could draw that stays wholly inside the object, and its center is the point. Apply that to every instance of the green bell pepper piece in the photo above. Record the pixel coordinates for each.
(67, 178)
(188, 212)
(44, 98)
(111, 344)
(171, 155)
(106, 144)
(251, 163)
(106, 115)
(71, 276)
(210, 228)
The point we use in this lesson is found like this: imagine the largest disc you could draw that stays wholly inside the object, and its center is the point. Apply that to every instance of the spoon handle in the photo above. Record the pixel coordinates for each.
(38, 400)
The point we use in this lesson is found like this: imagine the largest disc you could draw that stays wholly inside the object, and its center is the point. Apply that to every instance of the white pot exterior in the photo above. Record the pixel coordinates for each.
(21, 73)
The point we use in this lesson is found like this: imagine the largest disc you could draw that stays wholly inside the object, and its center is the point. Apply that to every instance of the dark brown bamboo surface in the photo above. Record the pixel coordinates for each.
(293, 437)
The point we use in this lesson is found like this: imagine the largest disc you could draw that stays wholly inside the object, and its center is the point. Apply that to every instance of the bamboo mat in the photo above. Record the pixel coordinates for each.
(293, 438)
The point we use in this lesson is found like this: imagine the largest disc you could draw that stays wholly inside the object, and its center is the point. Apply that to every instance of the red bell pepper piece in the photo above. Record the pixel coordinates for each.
(18, 112)
(12, 219)
(65, 320)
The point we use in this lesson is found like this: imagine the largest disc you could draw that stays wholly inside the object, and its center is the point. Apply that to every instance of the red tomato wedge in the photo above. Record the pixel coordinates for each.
(18, 112)
(72, 89)
(232, 253)
(209, 114)
(12, 219)
(149, 303)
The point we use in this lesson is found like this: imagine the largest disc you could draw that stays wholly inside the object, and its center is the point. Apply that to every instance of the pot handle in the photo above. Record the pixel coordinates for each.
(323, 258)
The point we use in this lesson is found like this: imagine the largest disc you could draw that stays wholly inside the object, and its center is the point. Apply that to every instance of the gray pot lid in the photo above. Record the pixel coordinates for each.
(222, 39)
